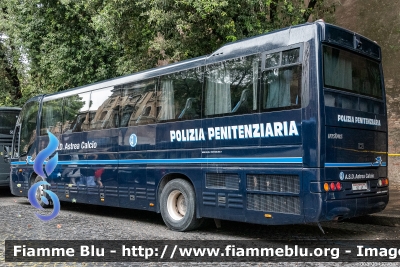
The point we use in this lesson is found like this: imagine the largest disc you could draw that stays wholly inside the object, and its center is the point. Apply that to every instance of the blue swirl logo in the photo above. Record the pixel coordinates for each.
(38, 189)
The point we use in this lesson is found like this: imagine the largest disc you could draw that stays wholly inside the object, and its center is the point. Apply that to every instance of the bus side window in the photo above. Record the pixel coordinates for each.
(190, 111)
(51, 117)
(147, 116)
(125, 114)
(281, 87)
(104, 109)
(180, 96)
(231, 86)
(76, 115)
(281, 81)
(137, 104)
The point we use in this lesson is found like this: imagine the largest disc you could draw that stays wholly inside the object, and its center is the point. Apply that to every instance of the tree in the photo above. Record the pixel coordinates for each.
(63, 49)
(190, 28)
(10, 89)
(55, 45)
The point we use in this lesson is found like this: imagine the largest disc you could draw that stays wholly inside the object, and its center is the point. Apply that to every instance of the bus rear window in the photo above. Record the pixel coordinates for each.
(349, 72)
(7, 121)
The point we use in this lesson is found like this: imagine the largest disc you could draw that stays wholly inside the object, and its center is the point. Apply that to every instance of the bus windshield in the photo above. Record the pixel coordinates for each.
(7, 121)
(350, 72)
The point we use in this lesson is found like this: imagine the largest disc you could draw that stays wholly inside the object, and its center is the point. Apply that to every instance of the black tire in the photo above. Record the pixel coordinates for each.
(40, 192)
(178, 206)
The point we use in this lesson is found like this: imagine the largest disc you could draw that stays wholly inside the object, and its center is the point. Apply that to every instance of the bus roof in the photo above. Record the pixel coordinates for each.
(248, 46)
(10, 108)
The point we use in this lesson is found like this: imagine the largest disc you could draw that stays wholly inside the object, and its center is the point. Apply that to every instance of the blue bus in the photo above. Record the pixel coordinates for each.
(282, 128)
(8, 118)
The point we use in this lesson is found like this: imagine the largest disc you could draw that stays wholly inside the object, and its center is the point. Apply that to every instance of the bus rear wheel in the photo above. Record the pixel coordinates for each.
(178, 206)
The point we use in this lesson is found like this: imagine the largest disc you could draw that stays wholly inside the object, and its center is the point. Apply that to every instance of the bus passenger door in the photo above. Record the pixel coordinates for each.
(136, 140)
(136, 190)
(101, 174)
(71, 155)
(101, 147)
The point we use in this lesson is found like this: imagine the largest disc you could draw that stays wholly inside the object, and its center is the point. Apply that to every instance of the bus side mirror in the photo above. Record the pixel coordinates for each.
(6, 154)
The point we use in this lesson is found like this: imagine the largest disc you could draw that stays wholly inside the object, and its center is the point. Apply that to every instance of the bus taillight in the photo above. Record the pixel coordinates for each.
(326, 187)
(383, 182)
(332, 186)
(338, 186)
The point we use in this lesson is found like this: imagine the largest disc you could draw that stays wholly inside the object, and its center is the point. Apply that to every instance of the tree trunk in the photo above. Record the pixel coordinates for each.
(310, 7)
(273, 9)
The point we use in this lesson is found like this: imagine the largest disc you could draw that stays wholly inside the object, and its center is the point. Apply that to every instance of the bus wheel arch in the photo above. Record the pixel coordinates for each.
(177, 203)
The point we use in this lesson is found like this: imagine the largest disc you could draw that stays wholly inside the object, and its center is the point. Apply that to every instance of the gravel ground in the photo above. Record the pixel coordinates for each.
(87, 222)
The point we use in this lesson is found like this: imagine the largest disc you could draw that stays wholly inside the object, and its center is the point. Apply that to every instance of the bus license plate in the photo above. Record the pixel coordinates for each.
(359, 186)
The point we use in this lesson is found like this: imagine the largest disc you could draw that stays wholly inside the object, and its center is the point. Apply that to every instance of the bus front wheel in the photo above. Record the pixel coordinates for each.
(178, 206)
(40, 192)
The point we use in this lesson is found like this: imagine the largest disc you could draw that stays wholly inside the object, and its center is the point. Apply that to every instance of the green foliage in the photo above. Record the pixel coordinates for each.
(10, 90)
(190, 28)
(5, 81)
(55, 45)
(63, 49)
(126, 31)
